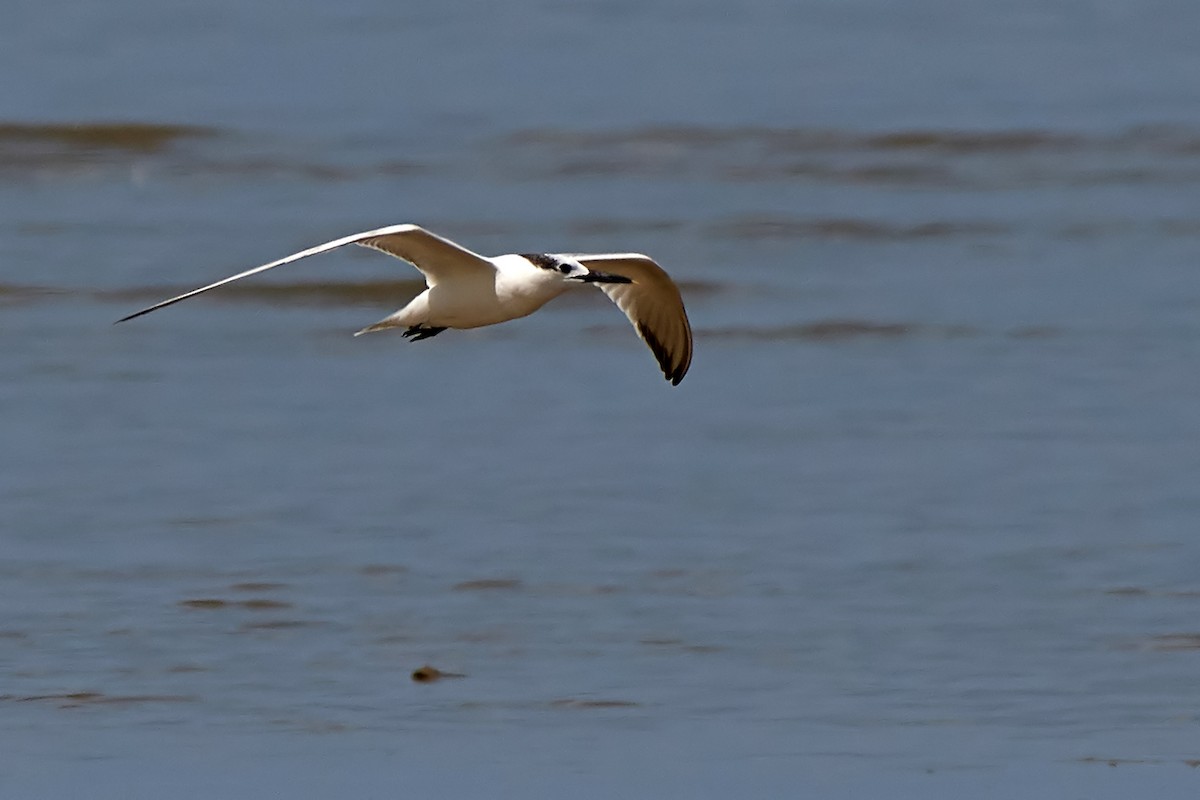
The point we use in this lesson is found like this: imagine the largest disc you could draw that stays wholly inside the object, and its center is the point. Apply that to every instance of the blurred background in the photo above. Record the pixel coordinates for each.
(921, 519)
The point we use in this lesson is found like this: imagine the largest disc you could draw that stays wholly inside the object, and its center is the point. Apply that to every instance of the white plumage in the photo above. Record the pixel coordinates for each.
(467, 290)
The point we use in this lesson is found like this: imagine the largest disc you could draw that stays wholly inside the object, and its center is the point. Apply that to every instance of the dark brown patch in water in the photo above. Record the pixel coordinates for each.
(1170, 642)
(253, 604)
(888, 174)
(132, 136)
(429, 674)
(77, 699)
(257, 586)
(205, 603)
(907, 157)
(1127, 591)
(263, 604)
(487, 584)
(1114, 762)
(70, 696)
(16, 295)
(570, 702)
(278, 625)
(948, 140)
(1010, 141)
(667, 641)
(841, 329)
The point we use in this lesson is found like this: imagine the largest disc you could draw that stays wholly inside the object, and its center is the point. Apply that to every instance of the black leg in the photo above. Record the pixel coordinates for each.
(418, 332)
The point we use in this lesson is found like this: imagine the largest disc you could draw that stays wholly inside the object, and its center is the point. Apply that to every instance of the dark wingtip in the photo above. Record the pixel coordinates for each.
(163, 304)
(672, 373)
(134, 315)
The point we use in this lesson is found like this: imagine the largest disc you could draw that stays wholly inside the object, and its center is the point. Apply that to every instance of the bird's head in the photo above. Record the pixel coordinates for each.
(571, 270)
(578, 273)
(595, 276)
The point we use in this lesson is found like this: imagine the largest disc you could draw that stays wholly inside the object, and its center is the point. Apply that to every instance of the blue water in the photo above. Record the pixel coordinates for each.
(919, 522)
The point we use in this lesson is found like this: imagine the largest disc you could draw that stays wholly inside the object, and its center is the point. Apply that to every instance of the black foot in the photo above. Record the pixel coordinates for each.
(418, 332)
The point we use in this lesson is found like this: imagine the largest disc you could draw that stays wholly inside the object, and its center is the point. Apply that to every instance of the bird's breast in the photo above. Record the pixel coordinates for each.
(473, 304)
(525, 289)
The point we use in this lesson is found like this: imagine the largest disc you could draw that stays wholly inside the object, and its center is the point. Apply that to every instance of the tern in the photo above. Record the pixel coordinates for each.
(467, 290)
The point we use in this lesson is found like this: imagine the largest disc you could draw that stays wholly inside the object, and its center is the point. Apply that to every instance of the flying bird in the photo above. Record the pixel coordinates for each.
(467, 290)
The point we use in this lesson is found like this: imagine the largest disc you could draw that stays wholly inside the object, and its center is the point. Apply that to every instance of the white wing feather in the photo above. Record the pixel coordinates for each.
(431, 254)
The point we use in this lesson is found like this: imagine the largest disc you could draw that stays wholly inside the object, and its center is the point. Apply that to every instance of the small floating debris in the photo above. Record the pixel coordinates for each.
(278, 625)
(204, 602)
(487, 584)
(258, 586)
(130, 136)
(1167, 642)
(1114, 762)
(574, 702)
(671, 641)
(428, 674)
(262, 604)
(77, 699)
(253, 604)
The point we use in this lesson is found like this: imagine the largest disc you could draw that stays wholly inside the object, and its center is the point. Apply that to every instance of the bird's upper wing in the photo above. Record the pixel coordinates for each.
(435, 257)
(653, 304)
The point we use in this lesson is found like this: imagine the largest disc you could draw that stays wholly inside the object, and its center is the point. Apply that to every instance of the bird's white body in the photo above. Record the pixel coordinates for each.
(467, 290)
(515, 289)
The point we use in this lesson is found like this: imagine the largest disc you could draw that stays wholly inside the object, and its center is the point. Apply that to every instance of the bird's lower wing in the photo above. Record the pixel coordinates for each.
(431, 254)
(652, 303)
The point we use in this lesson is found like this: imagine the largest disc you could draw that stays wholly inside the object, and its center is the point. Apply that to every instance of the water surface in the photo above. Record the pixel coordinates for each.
(920, 521)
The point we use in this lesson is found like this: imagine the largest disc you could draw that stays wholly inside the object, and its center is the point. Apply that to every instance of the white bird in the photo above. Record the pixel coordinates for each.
(467, 290)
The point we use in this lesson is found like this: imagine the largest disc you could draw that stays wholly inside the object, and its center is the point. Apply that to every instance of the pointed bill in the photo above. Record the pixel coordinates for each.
(652, 303)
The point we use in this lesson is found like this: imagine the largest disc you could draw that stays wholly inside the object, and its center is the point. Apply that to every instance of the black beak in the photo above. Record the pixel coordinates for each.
(603, 277)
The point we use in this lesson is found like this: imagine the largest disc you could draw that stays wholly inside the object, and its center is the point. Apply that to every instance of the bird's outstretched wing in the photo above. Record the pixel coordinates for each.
(435, 257)
(653, 304)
